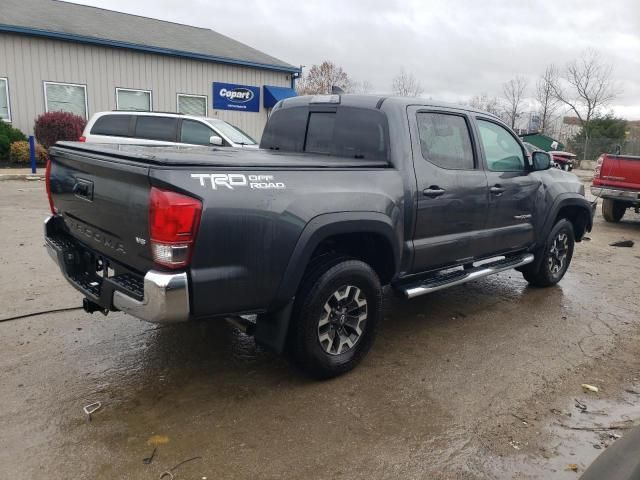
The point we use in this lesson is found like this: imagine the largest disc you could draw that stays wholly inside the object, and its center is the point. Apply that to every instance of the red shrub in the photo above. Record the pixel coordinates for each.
(54, 126)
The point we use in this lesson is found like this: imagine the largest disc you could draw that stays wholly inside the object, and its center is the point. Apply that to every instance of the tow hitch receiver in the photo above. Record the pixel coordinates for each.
(90, 307)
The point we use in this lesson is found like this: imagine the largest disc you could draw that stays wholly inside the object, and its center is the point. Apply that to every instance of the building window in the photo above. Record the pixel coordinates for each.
(192, 104)
(65, 97)
(5, 107)
(133, 100)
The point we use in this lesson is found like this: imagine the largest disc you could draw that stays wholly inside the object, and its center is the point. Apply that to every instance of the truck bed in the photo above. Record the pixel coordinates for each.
(618, 171)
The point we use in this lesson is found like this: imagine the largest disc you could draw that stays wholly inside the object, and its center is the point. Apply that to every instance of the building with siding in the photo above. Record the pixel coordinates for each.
(56, 55)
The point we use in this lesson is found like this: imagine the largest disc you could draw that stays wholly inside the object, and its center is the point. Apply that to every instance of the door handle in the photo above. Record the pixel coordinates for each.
(497, 190)
(433, 191)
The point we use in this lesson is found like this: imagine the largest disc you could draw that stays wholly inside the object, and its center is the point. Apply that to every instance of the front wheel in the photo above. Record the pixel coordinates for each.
(335, 318)
(556, 257)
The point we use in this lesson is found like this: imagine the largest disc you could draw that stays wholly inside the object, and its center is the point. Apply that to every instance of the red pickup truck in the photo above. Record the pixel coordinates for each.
(617, 180)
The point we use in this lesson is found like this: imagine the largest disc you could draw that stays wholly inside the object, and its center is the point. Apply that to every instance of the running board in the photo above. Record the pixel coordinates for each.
(445, 280)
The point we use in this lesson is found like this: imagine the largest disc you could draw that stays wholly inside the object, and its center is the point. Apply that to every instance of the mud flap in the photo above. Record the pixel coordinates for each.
(272, 328)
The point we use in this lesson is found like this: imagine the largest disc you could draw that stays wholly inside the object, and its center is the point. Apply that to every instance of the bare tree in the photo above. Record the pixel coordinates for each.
(549, 103)
(321, 78)
(589, 89)
(513, 92)
(406, 85)
(362, 88)
(486, 103)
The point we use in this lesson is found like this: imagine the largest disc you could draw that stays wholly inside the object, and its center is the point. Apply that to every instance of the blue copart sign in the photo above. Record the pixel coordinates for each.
(229, 96)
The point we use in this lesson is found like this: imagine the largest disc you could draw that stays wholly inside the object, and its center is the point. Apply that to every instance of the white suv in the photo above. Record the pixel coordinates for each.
(152, 128)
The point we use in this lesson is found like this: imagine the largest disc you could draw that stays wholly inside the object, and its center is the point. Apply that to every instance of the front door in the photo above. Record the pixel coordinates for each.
(451, 193)
(512, 190)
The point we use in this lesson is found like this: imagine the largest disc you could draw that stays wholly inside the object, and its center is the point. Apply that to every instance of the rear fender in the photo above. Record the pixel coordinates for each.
(323, 227)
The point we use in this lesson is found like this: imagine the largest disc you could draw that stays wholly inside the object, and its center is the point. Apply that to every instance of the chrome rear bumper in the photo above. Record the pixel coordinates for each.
(616, 194)
(164, 296)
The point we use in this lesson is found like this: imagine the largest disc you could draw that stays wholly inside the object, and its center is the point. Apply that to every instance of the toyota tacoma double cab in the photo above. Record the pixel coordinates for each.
(295, 241)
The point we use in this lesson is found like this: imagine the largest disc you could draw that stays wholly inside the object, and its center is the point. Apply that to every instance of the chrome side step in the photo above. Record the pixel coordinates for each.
(445, 280)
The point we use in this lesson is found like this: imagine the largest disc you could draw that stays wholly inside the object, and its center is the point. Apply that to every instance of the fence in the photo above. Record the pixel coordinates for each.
(598, 145)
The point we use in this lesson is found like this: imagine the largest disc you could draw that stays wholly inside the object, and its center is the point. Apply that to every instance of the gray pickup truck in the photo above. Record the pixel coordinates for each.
(295, 241)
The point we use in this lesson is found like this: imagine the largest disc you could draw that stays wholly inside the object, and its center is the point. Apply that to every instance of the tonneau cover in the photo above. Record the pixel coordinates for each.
(217, 157)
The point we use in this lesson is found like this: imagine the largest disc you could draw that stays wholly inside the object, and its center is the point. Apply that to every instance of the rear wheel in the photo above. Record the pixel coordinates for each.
(335, 318)
(613, 210)
(556, 257)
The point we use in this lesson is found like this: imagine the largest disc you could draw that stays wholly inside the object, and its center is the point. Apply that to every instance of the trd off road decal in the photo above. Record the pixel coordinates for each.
(232, 181)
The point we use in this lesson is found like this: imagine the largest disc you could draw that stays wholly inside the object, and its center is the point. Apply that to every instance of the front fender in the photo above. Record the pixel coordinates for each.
(568, 199)
(327, 225)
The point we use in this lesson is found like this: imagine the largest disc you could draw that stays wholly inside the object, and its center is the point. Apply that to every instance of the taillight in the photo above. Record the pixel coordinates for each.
(82, 139)
(47, 184)
(598, 169)
(173, 224)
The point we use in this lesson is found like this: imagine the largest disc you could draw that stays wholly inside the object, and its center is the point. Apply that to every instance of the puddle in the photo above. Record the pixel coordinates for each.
(572, 436)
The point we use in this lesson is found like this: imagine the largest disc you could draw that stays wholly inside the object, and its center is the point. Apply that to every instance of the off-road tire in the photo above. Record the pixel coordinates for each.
(545, 271)
(318, 287)
(613, 210)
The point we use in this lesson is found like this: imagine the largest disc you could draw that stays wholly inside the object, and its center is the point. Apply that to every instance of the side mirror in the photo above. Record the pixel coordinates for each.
(215, 140)
(541, 161)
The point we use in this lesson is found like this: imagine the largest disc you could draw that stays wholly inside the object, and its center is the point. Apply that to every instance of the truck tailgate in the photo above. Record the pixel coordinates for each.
(104, 202)
(619, 171)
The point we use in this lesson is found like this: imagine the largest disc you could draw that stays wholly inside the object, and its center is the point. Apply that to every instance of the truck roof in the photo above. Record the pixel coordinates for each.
(374, 101)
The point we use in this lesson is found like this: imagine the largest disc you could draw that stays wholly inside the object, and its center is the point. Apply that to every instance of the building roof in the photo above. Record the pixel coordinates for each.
(571, 121)
(81, 23)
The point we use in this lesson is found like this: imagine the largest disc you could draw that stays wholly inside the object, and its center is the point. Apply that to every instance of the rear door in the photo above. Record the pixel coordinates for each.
(451, 189)
(512, 190)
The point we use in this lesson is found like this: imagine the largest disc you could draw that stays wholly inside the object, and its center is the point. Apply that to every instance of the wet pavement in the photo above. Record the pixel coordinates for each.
(477, 381)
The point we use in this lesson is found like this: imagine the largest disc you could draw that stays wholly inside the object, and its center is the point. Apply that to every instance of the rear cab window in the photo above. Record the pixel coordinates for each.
(347, 132)
(112, 125)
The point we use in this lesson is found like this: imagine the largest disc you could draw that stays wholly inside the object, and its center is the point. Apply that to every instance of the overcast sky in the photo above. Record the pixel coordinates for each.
(456, 49)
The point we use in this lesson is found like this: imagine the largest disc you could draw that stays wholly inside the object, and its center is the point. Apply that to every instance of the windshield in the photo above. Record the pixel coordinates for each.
(232, 133)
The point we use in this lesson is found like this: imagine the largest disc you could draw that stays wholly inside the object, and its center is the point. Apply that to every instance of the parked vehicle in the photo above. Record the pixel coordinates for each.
(347, 194)
(564, 160)
(154, 128)
(617, 180)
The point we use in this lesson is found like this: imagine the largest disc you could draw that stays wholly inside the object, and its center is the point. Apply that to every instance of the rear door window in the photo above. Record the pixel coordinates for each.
(156, 128)
(195, 133)
(112, 125)
(445, 140)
